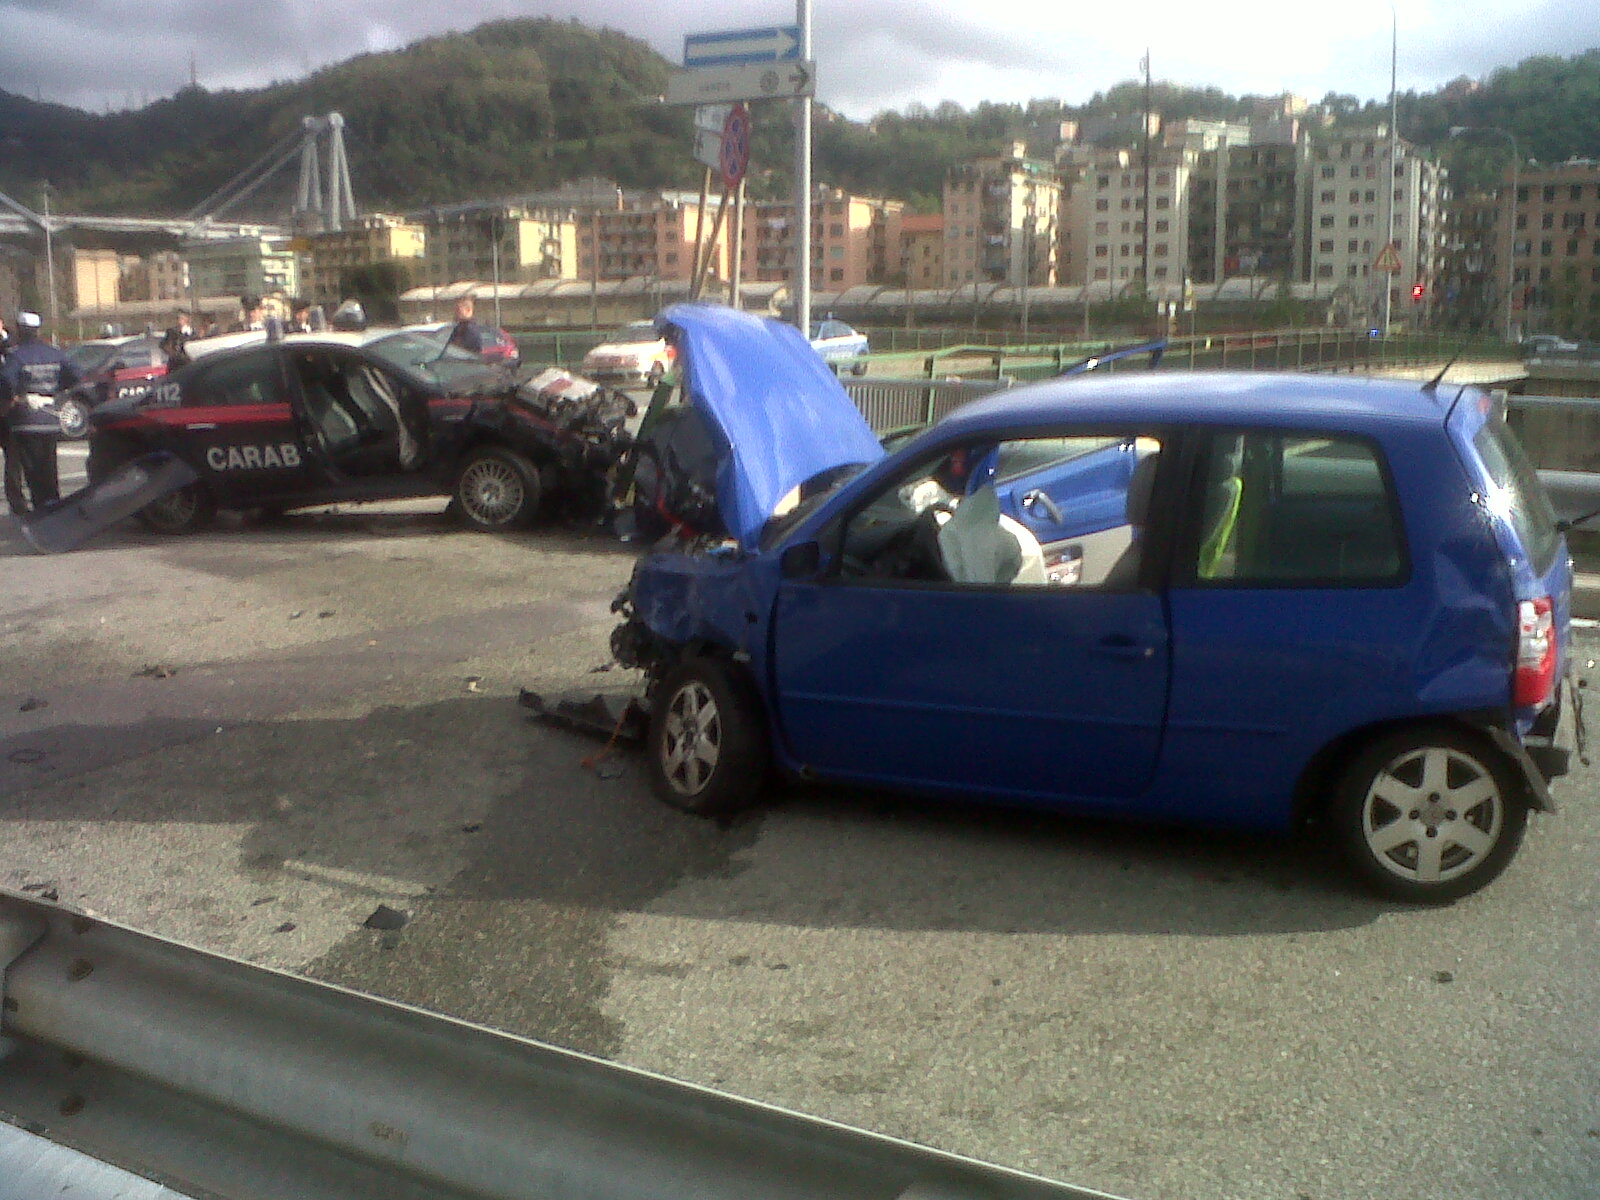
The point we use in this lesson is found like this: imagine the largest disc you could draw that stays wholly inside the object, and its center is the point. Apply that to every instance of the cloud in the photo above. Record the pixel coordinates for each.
(872, 54)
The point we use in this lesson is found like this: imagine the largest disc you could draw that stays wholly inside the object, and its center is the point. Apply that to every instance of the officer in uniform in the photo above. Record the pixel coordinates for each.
(33, 372)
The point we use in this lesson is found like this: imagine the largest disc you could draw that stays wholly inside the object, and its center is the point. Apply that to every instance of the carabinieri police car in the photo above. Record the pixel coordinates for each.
(327, 418)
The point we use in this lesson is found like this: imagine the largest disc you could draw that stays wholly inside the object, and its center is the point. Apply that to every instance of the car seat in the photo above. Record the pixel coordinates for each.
(1124, 573)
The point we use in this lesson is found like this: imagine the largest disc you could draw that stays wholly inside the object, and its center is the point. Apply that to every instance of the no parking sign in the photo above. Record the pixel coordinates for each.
(735, 155)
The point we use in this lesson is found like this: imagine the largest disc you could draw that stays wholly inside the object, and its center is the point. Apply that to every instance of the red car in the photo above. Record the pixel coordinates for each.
(498, 345)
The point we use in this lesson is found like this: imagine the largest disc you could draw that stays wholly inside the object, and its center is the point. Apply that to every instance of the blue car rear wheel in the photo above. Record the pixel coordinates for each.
(1429, 815)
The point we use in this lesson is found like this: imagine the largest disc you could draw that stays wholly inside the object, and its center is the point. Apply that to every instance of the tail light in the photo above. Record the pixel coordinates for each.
(1536, 653)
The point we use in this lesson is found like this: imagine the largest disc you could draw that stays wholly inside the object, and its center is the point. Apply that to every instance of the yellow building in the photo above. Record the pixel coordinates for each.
(922, 250)
(94, 277)
(508, 242)
(366, 241)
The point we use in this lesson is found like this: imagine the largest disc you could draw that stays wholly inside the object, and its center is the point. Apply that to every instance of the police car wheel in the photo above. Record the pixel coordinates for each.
(497, 489)
(183, 511)
(74, 418)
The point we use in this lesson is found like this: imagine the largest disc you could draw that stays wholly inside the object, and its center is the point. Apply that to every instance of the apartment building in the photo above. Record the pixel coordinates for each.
(93, 277)
(1555, 252)
(1353, 184)
(1001, 221)
(160, 275)
(649, 235)
(1103, 236)
(922, 250)
(498, 241)
(366, 241)
(241, 266)
(854, 240)
(1470, 283)
(1248, 205)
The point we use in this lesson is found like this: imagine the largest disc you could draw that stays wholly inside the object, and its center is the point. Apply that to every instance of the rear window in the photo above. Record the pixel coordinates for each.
(1519, 497)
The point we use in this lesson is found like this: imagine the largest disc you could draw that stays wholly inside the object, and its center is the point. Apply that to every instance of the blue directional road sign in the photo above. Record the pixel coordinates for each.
(734, 47)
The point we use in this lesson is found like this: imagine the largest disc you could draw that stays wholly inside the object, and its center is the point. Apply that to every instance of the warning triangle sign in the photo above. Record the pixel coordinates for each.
(1388, 259)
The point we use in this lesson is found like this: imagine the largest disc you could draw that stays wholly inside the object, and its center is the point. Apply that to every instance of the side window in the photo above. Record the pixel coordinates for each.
(244, 379)
(1045, 512)
(1297, 510)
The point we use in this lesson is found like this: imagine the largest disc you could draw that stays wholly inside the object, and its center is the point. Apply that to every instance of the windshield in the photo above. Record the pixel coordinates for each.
(89, 357)
(812, 493)
(425, 355)
(639, 331)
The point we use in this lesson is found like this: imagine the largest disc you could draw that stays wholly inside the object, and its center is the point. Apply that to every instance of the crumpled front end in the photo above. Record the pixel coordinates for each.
(678, 604)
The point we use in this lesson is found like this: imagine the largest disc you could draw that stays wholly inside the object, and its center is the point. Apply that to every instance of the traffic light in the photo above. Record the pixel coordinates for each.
(1417, 291)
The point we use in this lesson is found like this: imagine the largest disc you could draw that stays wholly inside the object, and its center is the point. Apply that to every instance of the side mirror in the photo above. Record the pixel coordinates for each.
(801, 561)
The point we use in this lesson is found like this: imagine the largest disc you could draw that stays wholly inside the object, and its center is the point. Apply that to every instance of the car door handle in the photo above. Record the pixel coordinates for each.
(1039, 499)
(1121, 645)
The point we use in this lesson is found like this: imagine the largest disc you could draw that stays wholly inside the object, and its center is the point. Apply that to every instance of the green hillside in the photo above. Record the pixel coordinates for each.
(519, 105)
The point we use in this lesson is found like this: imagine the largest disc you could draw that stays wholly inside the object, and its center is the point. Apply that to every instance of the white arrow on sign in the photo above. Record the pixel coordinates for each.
(777, 43)
(723, 85)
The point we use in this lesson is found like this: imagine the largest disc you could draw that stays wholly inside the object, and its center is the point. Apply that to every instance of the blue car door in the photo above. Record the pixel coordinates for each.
(1025, 688)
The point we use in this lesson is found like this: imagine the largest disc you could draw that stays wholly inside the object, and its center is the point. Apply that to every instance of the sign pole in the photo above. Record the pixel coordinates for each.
(736, 269)
(802, 184)
(700, 226)
(711, 248)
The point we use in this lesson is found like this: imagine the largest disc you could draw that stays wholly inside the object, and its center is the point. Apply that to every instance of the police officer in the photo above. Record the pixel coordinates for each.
(33, 372)
(175, 342)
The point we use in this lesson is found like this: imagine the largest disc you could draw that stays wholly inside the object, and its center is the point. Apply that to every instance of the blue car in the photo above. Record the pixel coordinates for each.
(1253, 601)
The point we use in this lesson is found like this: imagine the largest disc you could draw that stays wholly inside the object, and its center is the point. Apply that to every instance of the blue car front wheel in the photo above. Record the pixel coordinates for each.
(708, 747)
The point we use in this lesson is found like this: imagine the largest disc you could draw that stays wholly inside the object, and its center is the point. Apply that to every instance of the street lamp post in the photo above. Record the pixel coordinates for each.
(50, 265)
(1511, 220)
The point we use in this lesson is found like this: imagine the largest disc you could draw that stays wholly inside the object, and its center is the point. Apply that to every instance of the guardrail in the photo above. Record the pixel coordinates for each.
(1298, 350)
(225, 1080)
(936, 353)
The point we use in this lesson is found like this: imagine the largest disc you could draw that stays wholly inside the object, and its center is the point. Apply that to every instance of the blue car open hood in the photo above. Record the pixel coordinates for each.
(774, 410)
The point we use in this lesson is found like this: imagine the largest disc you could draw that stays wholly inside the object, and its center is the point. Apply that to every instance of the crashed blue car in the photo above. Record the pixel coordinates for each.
(1252, 601)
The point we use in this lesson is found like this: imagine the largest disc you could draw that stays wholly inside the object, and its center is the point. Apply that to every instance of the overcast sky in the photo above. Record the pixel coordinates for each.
(872, 54)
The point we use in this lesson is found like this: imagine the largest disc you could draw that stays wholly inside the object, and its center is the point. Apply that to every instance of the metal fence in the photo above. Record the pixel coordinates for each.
(895, 404)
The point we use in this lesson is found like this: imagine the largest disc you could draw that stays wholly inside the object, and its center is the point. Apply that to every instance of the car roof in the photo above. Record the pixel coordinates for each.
(120, 340)
(1214, 398)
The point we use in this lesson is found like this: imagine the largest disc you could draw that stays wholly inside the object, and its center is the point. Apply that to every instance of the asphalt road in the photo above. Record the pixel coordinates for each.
(250, 738)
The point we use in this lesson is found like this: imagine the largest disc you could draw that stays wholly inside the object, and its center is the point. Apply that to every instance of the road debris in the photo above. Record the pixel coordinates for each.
(155, 671)
(616, 717)
(386, 918)
(33, 703)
